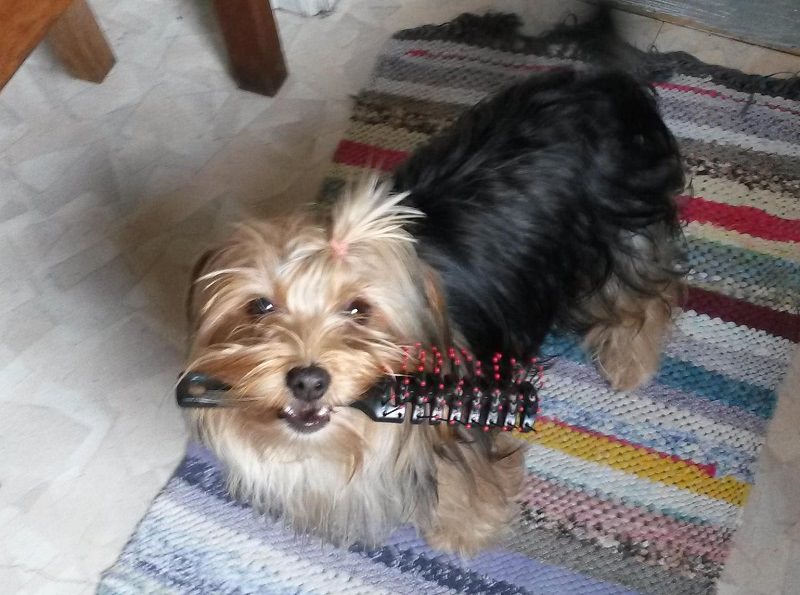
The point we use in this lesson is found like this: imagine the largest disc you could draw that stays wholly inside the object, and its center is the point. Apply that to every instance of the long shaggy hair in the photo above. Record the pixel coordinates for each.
(547, 206)
(544, 203)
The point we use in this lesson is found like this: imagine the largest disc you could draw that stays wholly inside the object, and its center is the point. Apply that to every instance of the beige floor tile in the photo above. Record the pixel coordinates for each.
(715, 49)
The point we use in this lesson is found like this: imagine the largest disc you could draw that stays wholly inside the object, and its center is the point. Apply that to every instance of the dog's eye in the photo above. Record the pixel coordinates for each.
(260, 306)
(358, 310)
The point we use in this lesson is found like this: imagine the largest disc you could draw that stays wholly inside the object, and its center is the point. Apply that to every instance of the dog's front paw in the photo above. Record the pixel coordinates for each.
(462, 540)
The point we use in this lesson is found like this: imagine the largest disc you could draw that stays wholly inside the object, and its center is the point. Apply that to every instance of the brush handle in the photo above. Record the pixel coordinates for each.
(198, 390)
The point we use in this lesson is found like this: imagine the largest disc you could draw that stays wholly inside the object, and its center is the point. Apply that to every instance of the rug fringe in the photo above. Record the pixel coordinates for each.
(595, 40)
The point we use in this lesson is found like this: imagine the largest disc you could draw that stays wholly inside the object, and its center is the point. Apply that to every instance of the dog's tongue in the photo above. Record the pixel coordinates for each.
(306, 412)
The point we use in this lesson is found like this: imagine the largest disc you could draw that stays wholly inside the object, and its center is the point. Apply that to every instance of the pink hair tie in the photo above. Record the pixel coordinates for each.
(339, 248)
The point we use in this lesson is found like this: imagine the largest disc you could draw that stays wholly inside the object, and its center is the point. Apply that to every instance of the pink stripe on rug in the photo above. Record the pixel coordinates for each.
(602, 519)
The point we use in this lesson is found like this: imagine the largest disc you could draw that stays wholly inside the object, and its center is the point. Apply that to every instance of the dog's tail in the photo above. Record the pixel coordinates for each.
(598, 39)
(594, 38)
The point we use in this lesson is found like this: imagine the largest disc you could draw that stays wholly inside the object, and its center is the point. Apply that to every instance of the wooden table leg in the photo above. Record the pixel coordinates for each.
(79, 43)
(254, 49)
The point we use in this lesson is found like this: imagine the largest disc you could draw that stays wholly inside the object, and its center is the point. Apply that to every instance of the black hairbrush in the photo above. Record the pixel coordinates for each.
(444, 388)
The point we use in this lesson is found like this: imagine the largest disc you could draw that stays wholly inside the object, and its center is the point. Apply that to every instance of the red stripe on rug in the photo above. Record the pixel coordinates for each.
(363, 155)
(707, 469)
(744, 219)
(729, 309)
(419, 53)
(720, 95)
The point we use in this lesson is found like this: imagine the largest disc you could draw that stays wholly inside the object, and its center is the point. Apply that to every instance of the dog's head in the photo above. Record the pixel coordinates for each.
(300, 316)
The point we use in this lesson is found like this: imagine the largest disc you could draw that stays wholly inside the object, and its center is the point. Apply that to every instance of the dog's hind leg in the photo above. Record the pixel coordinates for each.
(626, 342)
(627, 320)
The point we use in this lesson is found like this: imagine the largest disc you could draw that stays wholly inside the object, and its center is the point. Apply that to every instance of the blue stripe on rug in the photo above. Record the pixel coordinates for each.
(687, 444)
(682, 375)
(516, 568)
(488, 573)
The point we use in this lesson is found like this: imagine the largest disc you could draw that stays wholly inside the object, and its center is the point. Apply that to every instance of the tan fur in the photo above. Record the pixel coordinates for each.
(474, 516)
(627, 341)
(354, 479)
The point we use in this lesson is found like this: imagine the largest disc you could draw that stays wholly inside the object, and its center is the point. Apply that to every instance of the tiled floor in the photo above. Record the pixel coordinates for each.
(110, 191)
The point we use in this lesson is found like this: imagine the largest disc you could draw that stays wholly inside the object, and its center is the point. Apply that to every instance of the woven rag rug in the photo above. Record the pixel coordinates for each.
(625, 493)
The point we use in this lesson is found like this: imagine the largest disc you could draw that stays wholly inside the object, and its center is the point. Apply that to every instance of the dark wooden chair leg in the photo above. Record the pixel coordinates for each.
(254, 49)
(79, 43)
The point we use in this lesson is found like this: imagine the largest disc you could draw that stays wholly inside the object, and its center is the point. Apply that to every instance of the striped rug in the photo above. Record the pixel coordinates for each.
(626, 493)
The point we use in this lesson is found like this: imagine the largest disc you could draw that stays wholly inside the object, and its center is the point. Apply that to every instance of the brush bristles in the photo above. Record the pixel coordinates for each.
(455, 388)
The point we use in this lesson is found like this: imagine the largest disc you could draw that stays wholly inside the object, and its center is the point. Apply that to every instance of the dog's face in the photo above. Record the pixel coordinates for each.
(302, 315)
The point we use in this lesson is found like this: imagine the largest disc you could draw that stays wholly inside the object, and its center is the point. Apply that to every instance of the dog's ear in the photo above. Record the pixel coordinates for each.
(192, 299)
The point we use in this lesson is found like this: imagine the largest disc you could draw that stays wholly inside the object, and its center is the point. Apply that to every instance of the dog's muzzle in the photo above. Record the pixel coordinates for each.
(199, 390)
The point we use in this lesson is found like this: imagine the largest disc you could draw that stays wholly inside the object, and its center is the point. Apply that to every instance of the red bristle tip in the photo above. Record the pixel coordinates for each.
(505, 428)
(459, 403)
(485, 428)
(468, 426)
(406, 381)
(425, 400)
(423, 383)
(513, 361)
(436, 418)
(441, 386)
(497, 377)
(452, 422)
(457, 362)
(521, 408)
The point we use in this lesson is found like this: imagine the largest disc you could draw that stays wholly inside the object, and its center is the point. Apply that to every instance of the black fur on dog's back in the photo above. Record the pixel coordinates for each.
(537, 196)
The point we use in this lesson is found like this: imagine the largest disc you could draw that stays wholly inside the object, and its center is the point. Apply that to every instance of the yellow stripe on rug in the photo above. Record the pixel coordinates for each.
(637, 461)
(736, 194)
(385, 137)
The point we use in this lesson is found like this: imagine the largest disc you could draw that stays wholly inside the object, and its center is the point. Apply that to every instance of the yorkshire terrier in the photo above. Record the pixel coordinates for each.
(548, 206)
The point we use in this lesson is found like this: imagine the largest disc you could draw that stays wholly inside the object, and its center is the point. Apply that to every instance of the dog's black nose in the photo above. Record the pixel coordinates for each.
(309, 383)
